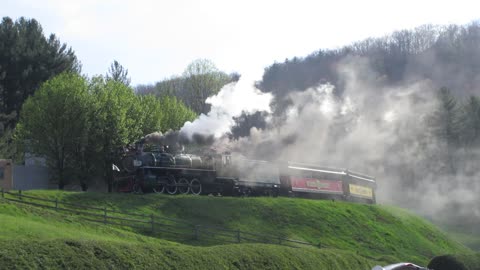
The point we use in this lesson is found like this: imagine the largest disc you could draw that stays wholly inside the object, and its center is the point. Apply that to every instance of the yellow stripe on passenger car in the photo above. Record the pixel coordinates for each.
(361, 191)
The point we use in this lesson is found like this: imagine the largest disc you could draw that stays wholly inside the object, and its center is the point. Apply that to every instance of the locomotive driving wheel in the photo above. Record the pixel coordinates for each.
(159, 187)
(183, 186)
(171, 185)
(195, 186)
(137, 187)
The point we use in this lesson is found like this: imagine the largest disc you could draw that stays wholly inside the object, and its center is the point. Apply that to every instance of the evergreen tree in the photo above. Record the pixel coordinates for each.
(445, 126)
(118, 73)
(470, 120)
(27, 59)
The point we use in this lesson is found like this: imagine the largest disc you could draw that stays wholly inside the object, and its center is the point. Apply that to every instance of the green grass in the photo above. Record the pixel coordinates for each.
(75, 254)
(471, 240)
(352, 236)
(22, 222)
(467, 235)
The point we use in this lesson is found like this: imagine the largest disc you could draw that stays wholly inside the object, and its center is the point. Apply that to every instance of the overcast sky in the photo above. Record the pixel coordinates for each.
(158, 39)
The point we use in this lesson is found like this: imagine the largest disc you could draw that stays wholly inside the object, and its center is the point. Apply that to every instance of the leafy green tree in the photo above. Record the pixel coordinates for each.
(117, 121)
(54, 123)
(202, 79)
(121, 117)
(171, 87)
(79, 125)
(118, 73)
(27, 59)
(174, 113)
(152, 114)
(7, 147)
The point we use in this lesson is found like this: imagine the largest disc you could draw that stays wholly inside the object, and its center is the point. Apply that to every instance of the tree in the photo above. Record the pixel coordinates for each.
(470, 120)
(78, 125)
(245, 122)
(54, 123)
(117, 121)
(202, 79)
(444, 124)
(174, 113)
(447, 116)
(118, 73)
(27, 59)
(172, 87)
(7, 147)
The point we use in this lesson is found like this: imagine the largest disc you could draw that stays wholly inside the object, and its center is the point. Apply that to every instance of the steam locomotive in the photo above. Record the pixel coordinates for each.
(162, 171)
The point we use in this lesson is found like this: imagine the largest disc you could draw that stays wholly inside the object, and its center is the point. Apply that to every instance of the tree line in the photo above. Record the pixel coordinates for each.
(456, 126)
(27, 59)
(200, 80)
(78, 124)
(447, 55)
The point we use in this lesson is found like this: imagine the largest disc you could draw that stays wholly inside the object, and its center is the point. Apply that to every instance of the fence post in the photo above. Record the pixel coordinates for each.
(196, 231)
(279, 240)
(238, 236)
(56, 203)
(3, 193)
(151, 220)
(20, 194)
(105, 215)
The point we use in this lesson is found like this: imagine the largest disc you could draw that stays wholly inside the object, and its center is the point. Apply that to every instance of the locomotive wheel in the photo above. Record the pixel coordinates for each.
(171, 185)
(160, 188)
(137, 188)
(195, 186)
(183, 186)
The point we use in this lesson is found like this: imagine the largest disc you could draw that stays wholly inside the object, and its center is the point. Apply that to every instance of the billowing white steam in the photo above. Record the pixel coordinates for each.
(231, 101)
(373, 128)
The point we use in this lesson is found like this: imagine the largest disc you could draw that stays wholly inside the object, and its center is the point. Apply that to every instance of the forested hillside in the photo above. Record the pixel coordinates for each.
(447, 55)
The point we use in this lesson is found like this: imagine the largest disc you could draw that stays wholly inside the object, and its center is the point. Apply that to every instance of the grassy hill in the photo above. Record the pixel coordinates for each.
(351, 236)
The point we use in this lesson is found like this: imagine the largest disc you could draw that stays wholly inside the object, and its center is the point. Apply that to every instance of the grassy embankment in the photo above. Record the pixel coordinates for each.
(352, 236)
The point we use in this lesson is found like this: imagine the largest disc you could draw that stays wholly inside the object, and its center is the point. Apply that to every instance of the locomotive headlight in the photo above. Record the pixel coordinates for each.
(137, 163)
(275, 185)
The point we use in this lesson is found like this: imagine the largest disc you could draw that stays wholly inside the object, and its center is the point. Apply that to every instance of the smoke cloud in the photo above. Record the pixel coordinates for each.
(232, 100)
(372, 127)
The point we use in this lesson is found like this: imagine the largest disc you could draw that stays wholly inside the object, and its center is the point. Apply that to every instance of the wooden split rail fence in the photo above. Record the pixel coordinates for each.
(164, 227)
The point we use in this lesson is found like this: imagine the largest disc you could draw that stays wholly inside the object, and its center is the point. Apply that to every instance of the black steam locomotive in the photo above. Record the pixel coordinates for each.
(161, 170)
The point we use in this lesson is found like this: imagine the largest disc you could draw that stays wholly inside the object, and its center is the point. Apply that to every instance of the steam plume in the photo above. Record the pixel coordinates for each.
(230, 102)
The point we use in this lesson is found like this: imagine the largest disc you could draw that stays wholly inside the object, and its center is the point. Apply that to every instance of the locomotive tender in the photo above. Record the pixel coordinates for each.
(159, 170)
